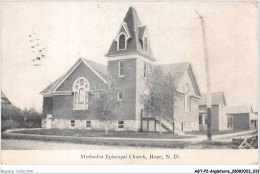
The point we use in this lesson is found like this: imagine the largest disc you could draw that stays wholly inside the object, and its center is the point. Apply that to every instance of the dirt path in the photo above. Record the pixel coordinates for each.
(228, 137)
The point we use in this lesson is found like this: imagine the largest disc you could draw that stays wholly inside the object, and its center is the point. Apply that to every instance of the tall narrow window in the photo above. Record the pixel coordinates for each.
(200, 120)
(81, 98)
(121, 67)
(86, 100)
(145, 69)
(145, 44)
(187, 100)
(76, 99)
(122, 42)
(81, 92)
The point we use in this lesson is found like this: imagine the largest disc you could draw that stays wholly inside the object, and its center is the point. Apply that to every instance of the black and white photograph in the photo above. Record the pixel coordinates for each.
(135, 79)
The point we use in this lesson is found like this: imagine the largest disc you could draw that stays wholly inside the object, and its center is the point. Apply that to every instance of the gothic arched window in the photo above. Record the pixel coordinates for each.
(145, 44)
(187, 100)
(122, 42)
(81, 92)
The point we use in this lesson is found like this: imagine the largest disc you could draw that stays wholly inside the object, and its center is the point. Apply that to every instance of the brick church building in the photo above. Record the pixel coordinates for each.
(68, 103)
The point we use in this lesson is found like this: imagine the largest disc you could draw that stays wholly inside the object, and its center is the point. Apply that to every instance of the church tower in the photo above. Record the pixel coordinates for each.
(129, 59)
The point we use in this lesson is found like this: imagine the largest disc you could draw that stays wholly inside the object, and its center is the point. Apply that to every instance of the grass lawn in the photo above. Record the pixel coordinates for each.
(213, 132)
(136, 143)
(214, 145)
(76, 133)
(96, 133)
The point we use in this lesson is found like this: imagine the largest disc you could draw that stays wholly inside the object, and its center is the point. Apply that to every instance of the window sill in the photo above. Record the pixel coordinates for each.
(76, 109)
(121, 76)
(121, 49)
(120, 129)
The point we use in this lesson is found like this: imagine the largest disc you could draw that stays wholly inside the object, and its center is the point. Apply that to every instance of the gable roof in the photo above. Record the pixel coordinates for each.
(50, 86)
(177, 70)
(216, 98)
(99, 69)
(125, 28)
(238, 109)
(134, 46)
(4, 99)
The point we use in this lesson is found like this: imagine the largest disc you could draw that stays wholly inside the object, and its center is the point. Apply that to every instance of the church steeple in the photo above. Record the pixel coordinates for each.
(131, 38)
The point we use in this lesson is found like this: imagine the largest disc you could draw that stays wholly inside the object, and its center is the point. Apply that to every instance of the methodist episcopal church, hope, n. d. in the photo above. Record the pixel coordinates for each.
(67, 102)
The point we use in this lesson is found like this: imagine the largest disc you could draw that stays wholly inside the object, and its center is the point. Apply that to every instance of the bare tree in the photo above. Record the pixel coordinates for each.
(159, 101)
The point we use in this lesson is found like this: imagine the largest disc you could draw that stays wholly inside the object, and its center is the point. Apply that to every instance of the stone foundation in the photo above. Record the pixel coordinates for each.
(187, 127)
(129, 125)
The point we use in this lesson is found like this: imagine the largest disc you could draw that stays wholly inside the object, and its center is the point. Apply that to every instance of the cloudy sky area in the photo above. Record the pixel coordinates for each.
(86, 29)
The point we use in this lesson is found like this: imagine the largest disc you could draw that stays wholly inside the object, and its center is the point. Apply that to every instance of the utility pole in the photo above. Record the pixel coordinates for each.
(209, 114)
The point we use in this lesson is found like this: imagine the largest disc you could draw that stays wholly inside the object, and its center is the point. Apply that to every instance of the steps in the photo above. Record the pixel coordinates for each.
(165, 123)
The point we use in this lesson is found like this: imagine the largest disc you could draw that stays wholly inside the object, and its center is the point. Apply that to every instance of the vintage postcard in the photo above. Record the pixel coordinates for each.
(129, 82)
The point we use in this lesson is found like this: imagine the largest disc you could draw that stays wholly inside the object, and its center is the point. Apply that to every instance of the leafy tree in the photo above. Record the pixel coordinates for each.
(106, 103)
(13, 117)
(9, 114)
(31, 117)
(30, 113)
(158, 101)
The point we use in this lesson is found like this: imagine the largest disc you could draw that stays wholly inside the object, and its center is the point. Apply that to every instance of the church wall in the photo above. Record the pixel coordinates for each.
(47, 106)
(129, 125)
(186, 79)
(127, 84)
(140, 88)
(82, 71)
(190, 119)
(63, 108)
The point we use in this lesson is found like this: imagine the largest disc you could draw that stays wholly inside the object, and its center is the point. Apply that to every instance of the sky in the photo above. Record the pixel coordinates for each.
(69, 30)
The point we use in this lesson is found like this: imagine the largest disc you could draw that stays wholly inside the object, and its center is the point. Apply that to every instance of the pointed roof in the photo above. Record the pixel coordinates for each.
(50, 86)
(216, 98)
(4, 99)
(134, 44)
(99, 69)
(177, 70)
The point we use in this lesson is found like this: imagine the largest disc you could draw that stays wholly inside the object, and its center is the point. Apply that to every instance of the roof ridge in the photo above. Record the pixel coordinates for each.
(174, 63)
(220, 92)
(97, 69)
(93, 61)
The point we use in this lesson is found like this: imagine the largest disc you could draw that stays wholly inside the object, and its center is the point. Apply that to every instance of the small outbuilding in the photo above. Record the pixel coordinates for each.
(219, 119)
(242, 117)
